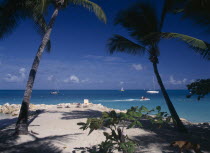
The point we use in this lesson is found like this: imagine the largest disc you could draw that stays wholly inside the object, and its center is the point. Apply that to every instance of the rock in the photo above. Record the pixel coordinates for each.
(6, 105)
(15, 113)
(33, 107)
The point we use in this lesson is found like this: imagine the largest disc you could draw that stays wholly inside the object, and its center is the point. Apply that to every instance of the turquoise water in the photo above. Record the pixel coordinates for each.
(190, 109)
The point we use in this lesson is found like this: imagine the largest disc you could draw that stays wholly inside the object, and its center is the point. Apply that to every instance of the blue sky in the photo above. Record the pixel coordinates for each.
(79, 58)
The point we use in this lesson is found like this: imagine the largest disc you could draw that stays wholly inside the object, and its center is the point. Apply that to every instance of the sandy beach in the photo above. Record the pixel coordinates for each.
(55, 129)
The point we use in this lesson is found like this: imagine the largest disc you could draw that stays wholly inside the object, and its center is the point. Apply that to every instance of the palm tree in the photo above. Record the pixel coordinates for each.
(144, 26)
(196, 10)
(14, 11)
(42, 6)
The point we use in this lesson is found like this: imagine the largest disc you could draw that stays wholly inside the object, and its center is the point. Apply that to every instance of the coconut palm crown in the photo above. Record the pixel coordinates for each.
(12, 12)
(145, 28)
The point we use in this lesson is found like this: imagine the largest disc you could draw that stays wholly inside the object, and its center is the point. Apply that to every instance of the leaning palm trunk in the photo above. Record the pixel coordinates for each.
(171, 108)
(22, 123)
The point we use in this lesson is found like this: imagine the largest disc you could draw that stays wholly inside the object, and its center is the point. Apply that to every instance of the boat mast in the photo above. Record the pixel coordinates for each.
(154, 82)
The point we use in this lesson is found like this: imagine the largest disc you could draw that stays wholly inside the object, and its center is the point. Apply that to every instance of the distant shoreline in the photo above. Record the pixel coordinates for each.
(13, 109)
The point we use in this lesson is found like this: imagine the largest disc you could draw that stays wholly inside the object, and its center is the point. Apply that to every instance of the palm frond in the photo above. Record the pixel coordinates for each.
(167, 7)
(140, 20)
(12, 12)
(119, 43)
(196, 10)
(198, 45)
(91, 6)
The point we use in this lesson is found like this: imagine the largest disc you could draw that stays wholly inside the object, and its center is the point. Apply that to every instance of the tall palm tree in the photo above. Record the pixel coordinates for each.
(42, 6)
(145, 27)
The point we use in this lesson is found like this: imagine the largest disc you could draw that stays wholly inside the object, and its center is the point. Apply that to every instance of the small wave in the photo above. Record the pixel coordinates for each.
(126, 100)
(120, 100)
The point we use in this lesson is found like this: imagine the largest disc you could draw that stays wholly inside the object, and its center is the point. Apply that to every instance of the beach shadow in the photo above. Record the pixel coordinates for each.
(38, 145)
(162, 137)
(7, 122)
(4, 123)
(81, 114)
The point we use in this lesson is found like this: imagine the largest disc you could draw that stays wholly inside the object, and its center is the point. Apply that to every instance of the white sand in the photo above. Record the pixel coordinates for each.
(58, 132)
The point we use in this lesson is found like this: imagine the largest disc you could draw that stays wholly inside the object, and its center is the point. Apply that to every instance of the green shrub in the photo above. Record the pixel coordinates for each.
(117, 122)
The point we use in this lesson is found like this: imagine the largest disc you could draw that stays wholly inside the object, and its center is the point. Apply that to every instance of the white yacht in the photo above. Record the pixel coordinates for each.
(153, 91)
(54, 92)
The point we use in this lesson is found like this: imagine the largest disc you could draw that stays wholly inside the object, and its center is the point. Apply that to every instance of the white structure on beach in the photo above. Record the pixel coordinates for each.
(86, 101)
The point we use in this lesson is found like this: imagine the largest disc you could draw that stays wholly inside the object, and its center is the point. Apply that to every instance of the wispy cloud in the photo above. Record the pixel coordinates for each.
(177, 82)
(72, 78)
(105, 58)
(16, 78)
(51, 78)
(137, 67)
(85, 80)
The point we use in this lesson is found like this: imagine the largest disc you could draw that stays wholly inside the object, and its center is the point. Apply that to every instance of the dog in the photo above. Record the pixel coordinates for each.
(186, 145)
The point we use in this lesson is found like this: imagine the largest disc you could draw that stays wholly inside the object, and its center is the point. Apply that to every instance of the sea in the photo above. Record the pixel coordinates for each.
(188, 108)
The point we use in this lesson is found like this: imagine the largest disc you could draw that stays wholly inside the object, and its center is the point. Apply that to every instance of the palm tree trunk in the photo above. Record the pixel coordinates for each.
(22, 123)
(171, 108)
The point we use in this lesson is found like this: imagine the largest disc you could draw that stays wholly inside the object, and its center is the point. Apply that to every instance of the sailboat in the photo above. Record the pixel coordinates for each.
(56, 91)
(153, 91)
(122, 89)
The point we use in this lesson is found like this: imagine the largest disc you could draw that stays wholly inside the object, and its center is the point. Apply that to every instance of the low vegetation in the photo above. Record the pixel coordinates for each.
(117, 123)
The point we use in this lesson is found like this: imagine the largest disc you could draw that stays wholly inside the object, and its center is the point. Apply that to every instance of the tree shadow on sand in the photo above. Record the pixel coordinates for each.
(7, 122)
(4, 123)
(9, 141)
(162, 137)
(81, 114)
(37, 145)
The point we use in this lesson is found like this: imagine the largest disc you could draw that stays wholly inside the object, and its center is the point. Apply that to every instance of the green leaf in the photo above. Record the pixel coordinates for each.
(91, 6)
(139, 123)
(143, 109)
(158, 108)
(119, 43)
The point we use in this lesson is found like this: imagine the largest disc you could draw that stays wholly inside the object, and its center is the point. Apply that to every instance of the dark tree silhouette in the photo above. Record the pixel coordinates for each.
(41, 7)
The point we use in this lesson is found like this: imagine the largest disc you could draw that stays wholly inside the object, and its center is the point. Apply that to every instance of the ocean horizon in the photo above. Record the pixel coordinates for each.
(188, 108)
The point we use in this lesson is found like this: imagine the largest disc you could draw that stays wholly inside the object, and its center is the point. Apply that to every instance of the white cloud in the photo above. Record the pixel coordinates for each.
(184, 80)
(72, 78)
(22, 72)
(137, 67)
(193, 80)
(176, 82)
(121, 82)
(16, 78)
(51, 78)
